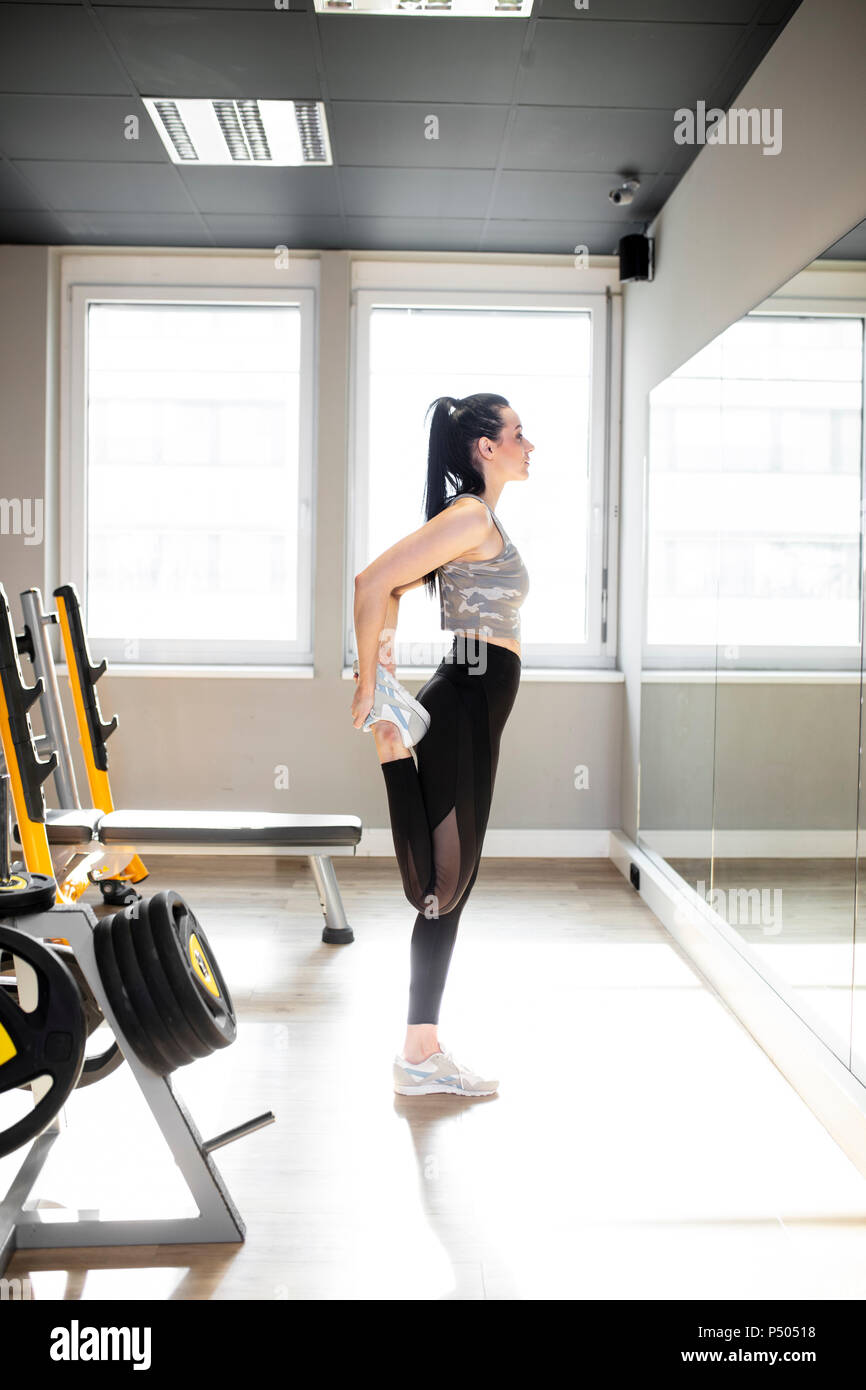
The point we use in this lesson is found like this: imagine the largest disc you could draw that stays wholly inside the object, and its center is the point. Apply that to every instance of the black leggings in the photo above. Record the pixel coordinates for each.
(439, 809)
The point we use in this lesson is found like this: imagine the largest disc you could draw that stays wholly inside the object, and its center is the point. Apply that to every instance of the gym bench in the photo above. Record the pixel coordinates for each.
(104, 842)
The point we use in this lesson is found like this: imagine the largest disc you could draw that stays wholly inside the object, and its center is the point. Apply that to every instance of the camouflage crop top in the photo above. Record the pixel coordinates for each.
(484, 596)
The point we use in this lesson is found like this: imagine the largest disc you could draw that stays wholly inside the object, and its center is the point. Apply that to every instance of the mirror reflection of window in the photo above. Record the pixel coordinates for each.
(762, 513)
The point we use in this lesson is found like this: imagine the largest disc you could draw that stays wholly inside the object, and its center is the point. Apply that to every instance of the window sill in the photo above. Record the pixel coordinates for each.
(529, 673)
(130, 668)
(551, 674)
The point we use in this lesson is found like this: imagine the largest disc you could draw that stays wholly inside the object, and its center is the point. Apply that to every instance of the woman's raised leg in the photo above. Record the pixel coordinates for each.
(437, 808)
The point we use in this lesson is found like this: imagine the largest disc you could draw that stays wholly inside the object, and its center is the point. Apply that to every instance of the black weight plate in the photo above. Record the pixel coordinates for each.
(119, 998)
(92, 1011)
(26, 893)
(99, 1064)
(188, 960)
(45, 1041)
(172, 956)
(145, 1010)
(118, 892)
(167, 1006)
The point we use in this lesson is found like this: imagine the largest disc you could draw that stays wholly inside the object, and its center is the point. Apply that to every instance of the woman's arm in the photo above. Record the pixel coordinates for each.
(402, 567)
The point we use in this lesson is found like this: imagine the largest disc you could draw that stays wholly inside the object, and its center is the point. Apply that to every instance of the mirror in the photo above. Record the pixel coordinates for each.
(680, 606)
(750, 710)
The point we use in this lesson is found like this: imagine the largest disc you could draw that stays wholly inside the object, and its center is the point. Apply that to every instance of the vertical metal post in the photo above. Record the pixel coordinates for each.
(5, 872)
(36, 620)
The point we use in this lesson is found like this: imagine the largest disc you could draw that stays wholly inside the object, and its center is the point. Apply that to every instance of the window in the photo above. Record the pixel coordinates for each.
(753, 499)
(190, 474)
(546, 355)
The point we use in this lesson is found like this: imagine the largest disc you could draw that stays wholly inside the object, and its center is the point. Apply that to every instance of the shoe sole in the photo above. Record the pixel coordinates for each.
(441, 1091)
(407, 701)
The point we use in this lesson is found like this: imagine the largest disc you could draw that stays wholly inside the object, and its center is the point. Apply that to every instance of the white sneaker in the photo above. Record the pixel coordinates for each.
(391, 701)
(439, 1074)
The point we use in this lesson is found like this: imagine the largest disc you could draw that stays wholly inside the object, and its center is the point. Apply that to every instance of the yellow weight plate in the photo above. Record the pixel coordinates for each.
(201, 966)
(14, 884)
(8, 1050)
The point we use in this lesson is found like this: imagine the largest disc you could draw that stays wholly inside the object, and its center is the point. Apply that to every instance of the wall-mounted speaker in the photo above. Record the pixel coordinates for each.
(636, 258)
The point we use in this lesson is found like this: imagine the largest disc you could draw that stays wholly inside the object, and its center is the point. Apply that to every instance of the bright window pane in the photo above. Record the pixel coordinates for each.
(192, 469)
(754, 488)
(540, 362)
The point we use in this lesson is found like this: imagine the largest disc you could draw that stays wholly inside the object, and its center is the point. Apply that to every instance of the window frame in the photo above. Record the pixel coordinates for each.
(84, 285)
(704, 656)
(604, 308)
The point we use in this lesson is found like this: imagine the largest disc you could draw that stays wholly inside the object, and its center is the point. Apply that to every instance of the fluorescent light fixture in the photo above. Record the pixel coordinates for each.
(248, 133)
(457, 9)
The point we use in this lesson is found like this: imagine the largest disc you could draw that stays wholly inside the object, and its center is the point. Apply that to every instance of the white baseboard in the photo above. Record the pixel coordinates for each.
(762, 1001)
(751, 844)
(669, 844)
(511, 844)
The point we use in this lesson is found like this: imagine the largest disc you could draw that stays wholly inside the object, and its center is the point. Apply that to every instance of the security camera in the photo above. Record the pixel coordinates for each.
(625, 193)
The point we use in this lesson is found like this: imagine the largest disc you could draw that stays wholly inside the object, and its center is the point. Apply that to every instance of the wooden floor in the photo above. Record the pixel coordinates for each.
(641, 1145)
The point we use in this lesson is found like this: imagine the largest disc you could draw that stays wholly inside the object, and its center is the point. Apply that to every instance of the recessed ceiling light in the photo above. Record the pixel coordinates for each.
(249, 133)
(457, 9)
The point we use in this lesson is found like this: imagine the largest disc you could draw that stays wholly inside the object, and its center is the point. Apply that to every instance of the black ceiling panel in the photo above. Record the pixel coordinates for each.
(454, 193)
(82, 128)
(266, 191)
(572, 139)
(15, 191)
(301, 233)
(393, 133)
(558, 238)
(851, 247)
(205, 5)
(52, 49)
(415, 233)
(102, 187)
(432, 60)
(653, 11)
(135, 228)
(609, 64)
(522, 194)
(41, 228)
(536, 120)
(219, 53)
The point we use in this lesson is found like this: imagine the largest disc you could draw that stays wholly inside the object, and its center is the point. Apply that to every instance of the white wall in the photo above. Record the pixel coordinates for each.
(216, 742)
(23, 403)
(737, 227)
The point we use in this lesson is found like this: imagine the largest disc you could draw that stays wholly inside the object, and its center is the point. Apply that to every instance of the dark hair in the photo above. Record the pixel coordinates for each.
(454, 429)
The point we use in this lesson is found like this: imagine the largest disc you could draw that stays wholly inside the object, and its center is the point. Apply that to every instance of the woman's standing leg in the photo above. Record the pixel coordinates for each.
(430, 953)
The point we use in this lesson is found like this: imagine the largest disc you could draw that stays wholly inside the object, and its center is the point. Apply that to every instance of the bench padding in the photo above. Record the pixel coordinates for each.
(71, 827)
(229, 828)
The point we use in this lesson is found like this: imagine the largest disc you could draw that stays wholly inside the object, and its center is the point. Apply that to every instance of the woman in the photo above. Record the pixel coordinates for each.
(439, 810)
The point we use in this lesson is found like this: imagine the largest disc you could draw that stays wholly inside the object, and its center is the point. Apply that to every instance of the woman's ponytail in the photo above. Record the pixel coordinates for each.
(454, 430)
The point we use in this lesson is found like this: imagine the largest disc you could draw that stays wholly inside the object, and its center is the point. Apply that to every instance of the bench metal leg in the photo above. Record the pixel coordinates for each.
(337, 931)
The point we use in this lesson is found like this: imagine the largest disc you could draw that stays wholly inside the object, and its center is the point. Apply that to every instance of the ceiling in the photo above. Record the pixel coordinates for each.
(538, 120)
(851, 247)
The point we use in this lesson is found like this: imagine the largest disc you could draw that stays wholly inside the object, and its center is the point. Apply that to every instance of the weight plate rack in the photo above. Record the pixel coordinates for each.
(73, 995)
